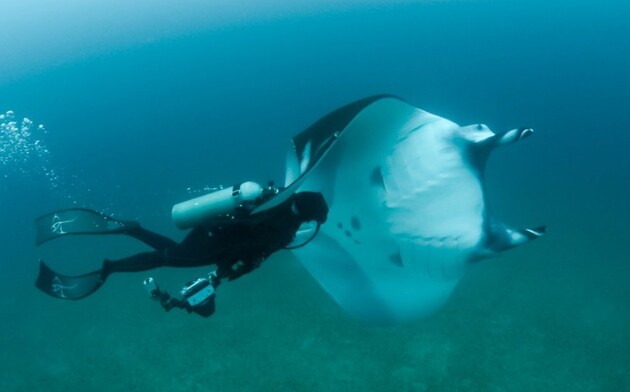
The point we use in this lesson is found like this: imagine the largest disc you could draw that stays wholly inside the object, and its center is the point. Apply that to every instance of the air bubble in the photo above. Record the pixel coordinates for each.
(22, 152)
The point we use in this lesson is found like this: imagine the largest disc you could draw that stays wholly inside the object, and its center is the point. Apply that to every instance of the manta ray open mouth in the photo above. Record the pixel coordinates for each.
(407, 206)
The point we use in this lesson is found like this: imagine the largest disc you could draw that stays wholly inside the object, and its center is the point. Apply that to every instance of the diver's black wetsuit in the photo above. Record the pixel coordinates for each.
(237, 246)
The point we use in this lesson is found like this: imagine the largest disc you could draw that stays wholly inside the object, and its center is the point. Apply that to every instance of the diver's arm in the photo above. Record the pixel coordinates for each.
(238, 269)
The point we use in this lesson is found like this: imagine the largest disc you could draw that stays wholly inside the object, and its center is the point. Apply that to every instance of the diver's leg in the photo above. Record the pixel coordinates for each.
(154, 240)
(139, 262)
(196, 250)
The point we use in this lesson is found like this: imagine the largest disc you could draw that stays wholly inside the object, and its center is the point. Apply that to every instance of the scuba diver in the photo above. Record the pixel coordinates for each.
(234, 228)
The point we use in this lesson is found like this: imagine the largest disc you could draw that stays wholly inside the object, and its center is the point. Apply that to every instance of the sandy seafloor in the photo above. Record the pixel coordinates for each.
(131, 128)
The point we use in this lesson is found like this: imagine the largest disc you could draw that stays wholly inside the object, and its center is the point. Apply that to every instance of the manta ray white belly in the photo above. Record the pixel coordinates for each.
(407, 210)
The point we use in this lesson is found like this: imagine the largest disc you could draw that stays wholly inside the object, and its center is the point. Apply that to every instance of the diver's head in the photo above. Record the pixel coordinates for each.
(310, 206)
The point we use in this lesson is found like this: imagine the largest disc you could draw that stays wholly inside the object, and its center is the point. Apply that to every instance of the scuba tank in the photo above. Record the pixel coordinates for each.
(220, 204)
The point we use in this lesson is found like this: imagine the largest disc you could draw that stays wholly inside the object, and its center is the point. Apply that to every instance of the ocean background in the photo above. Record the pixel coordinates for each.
(146, 105)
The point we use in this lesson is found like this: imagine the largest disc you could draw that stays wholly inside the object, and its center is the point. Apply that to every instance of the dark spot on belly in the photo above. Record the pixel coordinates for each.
(355, 223)
(376, 178)
(340, 225)
(396, 259)
(348, 233)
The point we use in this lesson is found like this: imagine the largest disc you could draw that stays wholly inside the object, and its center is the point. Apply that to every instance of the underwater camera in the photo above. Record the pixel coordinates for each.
(197, 295)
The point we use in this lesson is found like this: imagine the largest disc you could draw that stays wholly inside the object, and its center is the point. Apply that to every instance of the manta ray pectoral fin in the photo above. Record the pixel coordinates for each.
(513, 136)
(344, 279)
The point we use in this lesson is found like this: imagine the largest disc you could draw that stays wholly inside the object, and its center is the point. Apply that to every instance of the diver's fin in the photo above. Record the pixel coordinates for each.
(77, 221)
(68, 287)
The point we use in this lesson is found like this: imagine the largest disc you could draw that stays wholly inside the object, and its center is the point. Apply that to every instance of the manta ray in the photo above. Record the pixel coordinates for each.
(408, 211)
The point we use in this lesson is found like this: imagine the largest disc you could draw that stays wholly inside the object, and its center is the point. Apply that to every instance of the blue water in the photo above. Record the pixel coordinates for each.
(133, 129)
